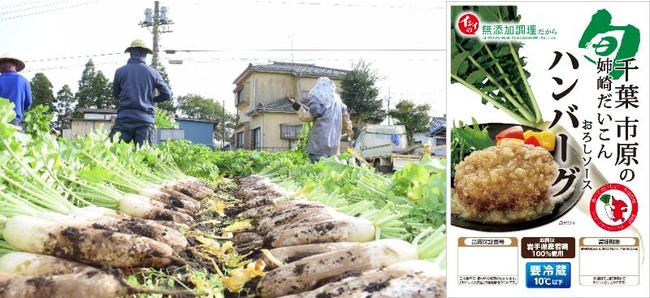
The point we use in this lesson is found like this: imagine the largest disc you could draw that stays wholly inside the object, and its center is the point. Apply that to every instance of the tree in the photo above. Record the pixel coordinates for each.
(415, 118)
(198, 107)
(359, 93)
(65, 104)
(42, 93)
(94, 89)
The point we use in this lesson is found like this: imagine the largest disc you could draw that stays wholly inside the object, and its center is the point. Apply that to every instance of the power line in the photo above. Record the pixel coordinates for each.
(47, 11)
(310, 3)
(244, 59)
(239, 51)
(17, 4)
(308, 50)
(75, 57)
(29, 70)
(32, 8)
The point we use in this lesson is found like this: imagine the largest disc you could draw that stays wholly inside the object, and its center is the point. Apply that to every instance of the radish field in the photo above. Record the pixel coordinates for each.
(91, 218)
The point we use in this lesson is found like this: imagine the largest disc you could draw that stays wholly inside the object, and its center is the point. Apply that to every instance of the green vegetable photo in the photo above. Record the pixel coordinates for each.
(494, 71)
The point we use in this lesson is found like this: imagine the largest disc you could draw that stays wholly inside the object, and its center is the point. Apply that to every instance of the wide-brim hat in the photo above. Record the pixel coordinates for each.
(138, 44)
(20, 65)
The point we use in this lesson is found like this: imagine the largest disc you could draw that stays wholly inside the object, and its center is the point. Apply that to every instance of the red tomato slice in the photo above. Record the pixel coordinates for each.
(515, 132)
(532, 141)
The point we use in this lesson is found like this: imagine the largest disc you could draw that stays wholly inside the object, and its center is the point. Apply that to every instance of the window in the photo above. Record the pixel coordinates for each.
(239, 140)
(240, 96)
(256, 139)
(290, 132)
(440, 141)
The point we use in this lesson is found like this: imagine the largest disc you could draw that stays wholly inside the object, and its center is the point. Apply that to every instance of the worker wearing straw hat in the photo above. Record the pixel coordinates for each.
(15, 87)
(134, 87)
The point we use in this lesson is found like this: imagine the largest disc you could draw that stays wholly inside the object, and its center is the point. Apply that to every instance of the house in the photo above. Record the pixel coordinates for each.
(91, 119)
(197, 131)
(266, 120)
(435, 134)
(438, 133)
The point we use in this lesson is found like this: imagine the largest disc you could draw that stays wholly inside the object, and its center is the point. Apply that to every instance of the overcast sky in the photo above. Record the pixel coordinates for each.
(57, 38)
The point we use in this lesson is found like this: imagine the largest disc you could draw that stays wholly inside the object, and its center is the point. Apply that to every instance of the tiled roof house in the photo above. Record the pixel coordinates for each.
(266, 120)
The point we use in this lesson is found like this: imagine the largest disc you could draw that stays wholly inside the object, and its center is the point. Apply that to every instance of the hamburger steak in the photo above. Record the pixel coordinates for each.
(504, 184)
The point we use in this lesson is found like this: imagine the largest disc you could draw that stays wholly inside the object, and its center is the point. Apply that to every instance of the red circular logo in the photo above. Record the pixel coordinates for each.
(613, 207)
(468, 24)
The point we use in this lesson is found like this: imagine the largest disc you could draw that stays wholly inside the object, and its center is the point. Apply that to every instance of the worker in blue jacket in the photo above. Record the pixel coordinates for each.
(15, 87)
(134, 86)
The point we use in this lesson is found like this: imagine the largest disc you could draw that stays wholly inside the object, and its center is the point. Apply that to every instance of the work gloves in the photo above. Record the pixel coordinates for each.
(294, 104)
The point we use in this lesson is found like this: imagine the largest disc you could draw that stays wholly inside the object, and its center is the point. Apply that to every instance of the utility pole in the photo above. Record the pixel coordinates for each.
(223, 124)
(157, 23)
(388, 106)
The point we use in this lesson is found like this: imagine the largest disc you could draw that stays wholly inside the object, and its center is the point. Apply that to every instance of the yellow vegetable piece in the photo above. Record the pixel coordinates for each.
(546, 138)
(510, 140)
(530, 133)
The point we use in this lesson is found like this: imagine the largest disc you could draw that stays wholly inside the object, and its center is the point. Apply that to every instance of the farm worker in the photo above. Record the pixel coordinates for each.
(134, 86)
(15, 87)
(328, 112)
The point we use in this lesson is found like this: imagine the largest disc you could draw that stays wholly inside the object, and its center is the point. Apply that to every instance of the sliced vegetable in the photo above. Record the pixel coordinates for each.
(546, 138)
(510, 140)
(532, 140)
(513, 132)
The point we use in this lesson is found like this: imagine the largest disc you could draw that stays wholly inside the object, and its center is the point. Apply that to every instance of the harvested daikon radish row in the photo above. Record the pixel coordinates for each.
(294, 253)
(171, 199)
(85, 244)
(88, 283)
(142, 207)
(31, 264)
(123, 223)
(338, 229)
(279, 208)
(289, 216)
(417, 279)
(308, 273)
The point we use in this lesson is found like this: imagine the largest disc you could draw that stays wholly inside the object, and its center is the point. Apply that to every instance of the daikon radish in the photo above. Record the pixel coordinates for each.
(183, 202)
(189, 189)
(164, 231)
(260, 189)
(261, 201)
(417, 279)
(289, 254)
(338, 229)
(84, 244)
(310, 272)
(279, 208)
(290, 216)
(139, 206)
(123, 224)
(89, 283)
(31, 264)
